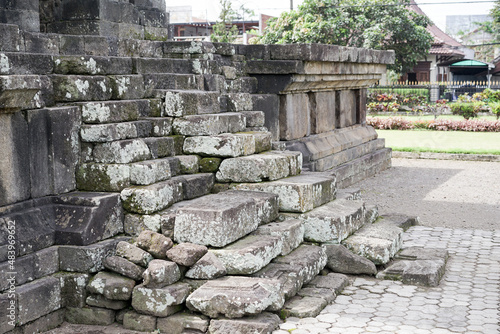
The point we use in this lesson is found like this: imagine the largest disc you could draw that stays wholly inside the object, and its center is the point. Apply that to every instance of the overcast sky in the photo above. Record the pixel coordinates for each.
(435, 9)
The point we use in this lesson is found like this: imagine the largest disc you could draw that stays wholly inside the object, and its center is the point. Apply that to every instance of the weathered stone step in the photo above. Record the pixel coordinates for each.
(378, 242)
(220, 219)
(291, 231)
(418, 266)
(92, 65)
(180, 103)
(299, 193)
(176, 81)
(332, 222)
(112, 111)
(133, 150)
(263, 323)
(18, 91)
(158, 196)
(295, 269)
(102, 133)
(273, 165)
(209, 124)
(315, 296)
(236, 296)
(223, 145)
(249, 254)
(116, 177)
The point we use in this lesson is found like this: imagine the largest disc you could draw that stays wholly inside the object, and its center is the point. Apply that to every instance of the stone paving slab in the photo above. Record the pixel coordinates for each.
(466, 301)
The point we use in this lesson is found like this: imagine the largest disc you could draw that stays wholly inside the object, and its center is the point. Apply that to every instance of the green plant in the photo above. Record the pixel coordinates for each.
(495, 108)
(467, 109)
(223, 30)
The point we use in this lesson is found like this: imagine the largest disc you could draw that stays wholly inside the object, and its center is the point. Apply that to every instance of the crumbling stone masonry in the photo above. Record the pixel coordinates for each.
(156, 183)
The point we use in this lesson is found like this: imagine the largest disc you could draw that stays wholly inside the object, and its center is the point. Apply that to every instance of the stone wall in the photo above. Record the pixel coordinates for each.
(100, 136)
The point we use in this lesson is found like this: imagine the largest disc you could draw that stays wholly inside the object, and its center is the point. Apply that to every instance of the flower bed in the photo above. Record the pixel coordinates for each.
(399, 123)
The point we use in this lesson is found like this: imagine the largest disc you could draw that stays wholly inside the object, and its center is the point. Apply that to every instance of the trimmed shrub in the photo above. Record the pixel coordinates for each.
(399, 123)
(467, 109)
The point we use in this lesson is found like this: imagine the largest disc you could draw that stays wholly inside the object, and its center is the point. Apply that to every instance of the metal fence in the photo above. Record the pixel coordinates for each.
(450, 90)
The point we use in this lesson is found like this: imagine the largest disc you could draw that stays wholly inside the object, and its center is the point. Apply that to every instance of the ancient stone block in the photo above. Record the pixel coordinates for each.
(103, 177)
(208, 267)
(298, 193)
(12, 39)
(183, 103)
(173, 81)
(37, 299)
(223, 296)
(161, 147)
(152, 198)
(291, 231)
(332, 281)
(345, 114)
(134, 224)
(309, 258)
(224, 145)
(254, 168)
(161, 273)
(186, 254)
(111, 286)
(73, 288)
(250, 254)
(304, 307)
(333, 221)
(109, 111)
(103, 302)
(239, 102)
(16, 91)
(196, 185)
(160, 302)
(215, 220)
(72, 88)
(45, 323)
(177, 323)
(322, 293)
(15, 167)
(378, 242)
(133, 253)
(89, 65)
(139, 322)
(123, 267)
(294, 116)
(262, 323)
(102, 133)
(46, 262)
(122, 152)
(341, 260)
(155, 244)
(209, 165)
(188, 164)
(90, 316)
(161, 126)
(127, 87)
(149, 172)
(269, 104)
(266, 204)
(417, 272)
(85, 259)
(209, 124)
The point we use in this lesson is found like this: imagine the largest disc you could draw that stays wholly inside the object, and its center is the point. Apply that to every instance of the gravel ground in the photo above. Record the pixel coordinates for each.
(443, 193)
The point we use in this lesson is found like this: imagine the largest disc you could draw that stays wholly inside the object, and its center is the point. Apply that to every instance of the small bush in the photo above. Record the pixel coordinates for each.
(399, 123)
(467, 109)
(495, 108)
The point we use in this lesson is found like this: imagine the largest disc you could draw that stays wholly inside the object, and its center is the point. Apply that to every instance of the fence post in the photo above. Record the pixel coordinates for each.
(434, 92)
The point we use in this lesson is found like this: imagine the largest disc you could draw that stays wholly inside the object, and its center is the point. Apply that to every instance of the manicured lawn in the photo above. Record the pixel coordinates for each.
(442, 141)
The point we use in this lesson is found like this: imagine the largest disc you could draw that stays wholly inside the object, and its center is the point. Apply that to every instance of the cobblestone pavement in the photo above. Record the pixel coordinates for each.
(466, 301)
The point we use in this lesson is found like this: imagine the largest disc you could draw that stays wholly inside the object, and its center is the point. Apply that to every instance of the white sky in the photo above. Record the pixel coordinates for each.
(435, 9)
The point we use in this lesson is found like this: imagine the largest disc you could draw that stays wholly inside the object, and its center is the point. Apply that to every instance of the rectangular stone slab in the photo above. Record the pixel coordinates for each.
(235, 296)
(291, 231)
(223, 145)
(299, 193)
(250, 254)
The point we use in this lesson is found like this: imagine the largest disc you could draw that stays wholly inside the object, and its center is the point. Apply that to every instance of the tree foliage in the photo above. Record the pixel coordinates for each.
(494, 27)
(376, 24)
(224, 31)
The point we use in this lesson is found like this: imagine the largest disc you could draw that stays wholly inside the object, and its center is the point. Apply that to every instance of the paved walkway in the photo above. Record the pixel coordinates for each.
(466, 301)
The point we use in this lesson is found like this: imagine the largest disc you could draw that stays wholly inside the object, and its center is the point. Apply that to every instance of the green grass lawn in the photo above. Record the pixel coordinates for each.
(442, 141)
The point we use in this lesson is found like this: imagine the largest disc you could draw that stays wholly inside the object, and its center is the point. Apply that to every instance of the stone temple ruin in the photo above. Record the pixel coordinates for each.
(182, 186)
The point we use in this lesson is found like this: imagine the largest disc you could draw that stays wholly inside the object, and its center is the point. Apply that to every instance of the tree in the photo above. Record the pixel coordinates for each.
(224, 31)
(376, 24)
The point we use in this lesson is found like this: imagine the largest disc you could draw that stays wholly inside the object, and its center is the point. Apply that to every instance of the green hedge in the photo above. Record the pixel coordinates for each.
(402, 91)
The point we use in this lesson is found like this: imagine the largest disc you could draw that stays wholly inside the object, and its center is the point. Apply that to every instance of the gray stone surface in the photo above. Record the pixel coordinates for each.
(262, 323)
(332, 281)
(149, 172)
(152, 198)
(123, 267)
(73, 288)
(102, 177)
(403, 221)
(417, 272)
(183, 103)
(140, 322)
(341, 260)
(122, 151)
(223, 145)
(215, 220)
(109, 111)
(18, 91)
(332, 222)
(291, 231)
(303, 307)
(161, 273)
(299, 193)
(196, 185)
(103, 302)
(154, 243)
(224, 296)
(90, 316)
(179, 322)
(249, 254)
(160, 302)
(208, 267)
(209, 124)
(133, 253)
(111, 285)
(186, 254)
(37, 299)
(86, 259)
(378, 242)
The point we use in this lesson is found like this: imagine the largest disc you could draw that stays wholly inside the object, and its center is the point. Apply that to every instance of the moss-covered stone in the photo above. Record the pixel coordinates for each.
(210, 165)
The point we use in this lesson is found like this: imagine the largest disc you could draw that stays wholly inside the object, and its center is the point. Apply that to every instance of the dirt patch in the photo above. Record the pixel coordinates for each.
(443, 193)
